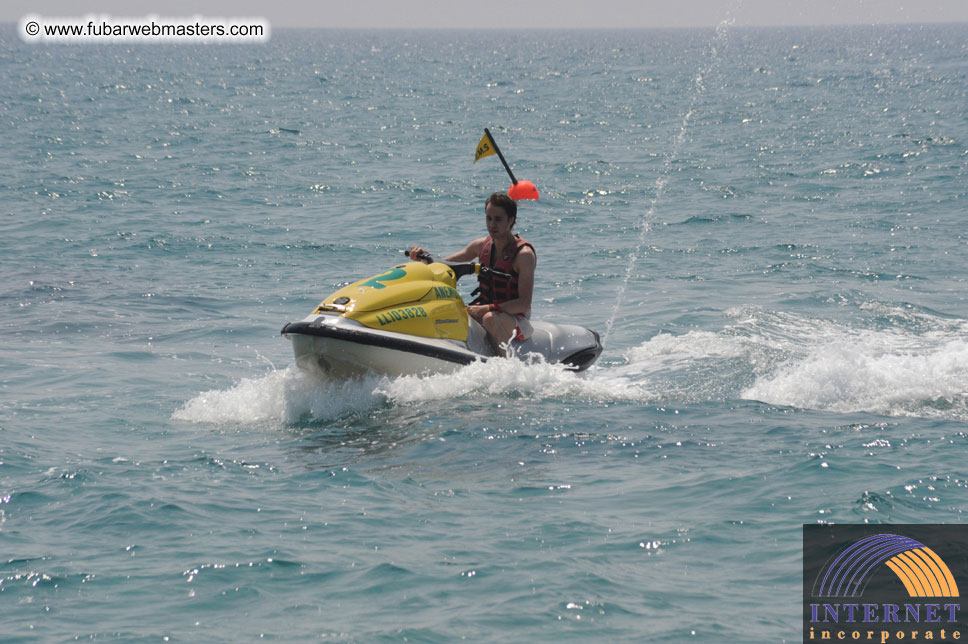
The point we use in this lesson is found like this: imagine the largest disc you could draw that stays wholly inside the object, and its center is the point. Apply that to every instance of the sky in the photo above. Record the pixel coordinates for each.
(557, 14)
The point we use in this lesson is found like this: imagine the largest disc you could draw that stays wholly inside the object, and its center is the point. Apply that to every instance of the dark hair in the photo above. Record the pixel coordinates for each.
(502, 200)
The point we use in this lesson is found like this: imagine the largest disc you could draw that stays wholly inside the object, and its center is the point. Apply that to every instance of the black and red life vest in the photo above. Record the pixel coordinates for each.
(495, 290)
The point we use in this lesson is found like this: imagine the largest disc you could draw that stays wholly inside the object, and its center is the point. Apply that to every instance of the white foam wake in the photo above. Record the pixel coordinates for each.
(290, 395)
(281, 396)
(873, 371)
(903, 363)
(510, 376)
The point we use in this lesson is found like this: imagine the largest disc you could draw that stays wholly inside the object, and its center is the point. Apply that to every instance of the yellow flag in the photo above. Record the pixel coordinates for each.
(484, 149)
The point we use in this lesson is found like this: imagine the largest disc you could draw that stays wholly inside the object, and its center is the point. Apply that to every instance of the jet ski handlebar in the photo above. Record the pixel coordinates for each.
(462, 268)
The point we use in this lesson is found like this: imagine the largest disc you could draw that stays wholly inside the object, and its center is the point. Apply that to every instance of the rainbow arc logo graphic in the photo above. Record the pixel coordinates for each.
(919, 568)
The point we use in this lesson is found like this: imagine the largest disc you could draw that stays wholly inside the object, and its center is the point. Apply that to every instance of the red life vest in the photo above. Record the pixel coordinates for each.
(494, 290)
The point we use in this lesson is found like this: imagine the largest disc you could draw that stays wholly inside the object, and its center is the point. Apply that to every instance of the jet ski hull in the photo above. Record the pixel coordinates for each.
(343, 348)
(340, 347)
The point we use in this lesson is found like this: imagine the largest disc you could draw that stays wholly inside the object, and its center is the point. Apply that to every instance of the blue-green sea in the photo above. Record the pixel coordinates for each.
(766, 226)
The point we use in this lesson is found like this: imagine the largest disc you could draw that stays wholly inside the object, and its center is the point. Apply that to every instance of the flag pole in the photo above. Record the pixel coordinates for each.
(500, 156)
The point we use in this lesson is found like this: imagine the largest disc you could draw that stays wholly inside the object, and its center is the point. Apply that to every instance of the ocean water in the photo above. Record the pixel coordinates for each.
(766, 226)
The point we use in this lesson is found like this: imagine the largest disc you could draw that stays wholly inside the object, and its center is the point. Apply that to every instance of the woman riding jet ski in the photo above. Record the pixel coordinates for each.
(411, 319)
(503, 306)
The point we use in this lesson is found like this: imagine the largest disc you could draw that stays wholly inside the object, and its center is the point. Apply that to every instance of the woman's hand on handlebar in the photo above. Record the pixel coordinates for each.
(418, 254)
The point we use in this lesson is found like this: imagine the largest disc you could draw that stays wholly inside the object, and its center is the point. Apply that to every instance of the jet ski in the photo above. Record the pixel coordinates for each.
(411, 320)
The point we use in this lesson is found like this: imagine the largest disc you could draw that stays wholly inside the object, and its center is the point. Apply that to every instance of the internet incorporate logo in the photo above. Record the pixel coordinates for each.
(862, 584)
(922, 572)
